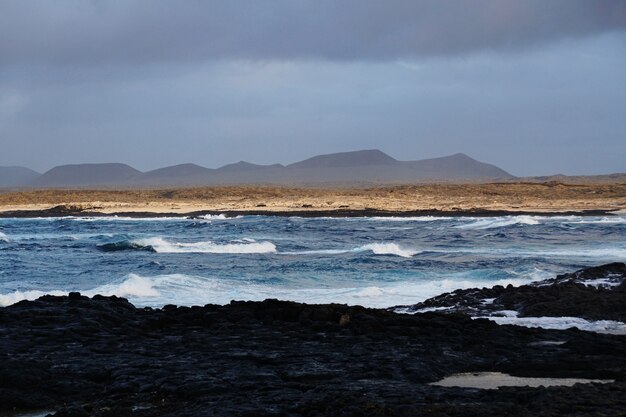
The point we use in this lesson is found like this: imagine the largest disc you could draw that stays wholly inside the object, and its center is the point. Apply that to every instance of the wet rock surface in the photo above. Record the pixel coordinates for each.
(102, 356)
(597, 293)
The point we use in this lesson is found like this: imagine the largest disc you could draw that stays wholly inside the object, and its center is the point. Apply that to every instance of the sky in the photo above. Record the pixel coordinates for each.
(536, 87)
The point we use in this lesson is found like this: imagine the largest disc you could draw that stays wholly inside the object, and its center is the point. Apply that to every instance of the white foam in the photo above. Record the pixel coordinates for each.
(182, 289)
(408, 219)
(388, 248)
(602, 283)
(17, 296)
(602, 220)
(562, 323)
(119, 218)
(218, 217)
(370, 292)
(421, 310)
(491, 222)
(133, 286)
(4, 237)
(161, 245)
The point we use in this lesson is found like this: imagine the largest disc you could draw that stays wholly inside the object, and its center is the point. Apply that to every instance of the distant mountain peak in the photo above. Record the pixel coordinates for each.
(346, 159)
(86, 175)
(368, 165)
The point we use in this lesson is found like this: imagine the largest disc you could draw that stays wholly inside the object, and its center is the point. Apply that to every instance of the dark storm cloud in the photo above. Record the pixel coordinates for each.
(71, 32)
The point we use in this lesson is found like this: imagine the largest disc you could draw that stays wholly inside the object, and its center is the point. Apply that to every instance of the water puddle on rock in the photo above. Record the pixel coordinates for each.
(494, 380)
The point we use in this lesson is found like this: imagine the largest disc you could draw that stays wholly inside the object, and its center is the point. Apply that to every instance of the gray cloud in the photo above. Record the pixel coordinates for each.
(536, 86)
(78, 32)
(555, 109)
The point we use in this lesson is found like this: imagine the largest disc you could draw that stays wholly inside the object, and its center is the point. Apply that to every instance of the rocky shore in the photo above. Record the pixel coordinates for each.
(65, 211)
(77, 356)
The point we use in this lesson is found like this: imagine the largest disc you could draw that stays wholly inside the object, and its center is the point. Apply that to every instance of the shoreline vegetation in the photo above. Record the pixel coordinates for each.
(493, 199)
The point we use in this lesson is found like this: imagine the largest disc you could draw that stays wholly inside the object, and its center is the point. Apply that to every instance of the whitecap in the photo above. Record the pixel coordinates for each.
(407, 219)
(133, 286)
(17, 296)
(601, 220)
(491, 222)
(161, 245)
(388, 249)
(220, 216)
(4, 238)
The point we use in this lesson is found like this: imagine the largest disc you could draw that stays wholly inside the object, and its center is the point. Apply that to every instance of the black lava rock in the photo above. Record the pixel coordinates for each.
(101, 356)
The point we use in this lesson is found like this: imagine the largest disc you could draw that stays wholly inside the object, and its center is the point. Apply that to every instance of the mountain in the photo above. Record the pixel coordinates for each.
(183, 174)
(346, 159)
(456, 166)
(365, 166)
(376, 166)
(16, 176)
(86, 175)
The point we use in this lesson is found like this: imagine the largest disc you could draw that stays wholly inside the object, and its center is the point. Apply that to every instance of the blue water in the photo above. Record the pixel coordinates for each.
(369, 261)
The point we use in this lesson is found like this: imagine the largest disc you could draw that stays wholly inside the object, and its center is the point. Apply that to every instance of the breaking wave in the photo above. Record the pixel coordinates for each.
(160, 245)
(490, 223)
(375, 248)
(4, 238)
(182, 289)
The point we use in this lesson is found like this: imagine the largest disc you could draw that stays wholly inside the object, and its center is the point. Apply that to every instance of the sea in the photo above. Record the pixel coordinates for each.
(369, 261)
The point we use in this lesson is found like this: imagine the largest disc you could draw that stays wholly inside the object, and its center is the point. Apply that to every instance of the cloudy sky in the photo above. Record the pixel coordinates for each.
(535, 87)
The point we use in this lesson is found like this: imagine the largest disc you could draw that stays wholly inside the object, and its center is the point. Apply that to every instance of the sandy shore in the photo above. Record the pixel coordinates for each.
(507, 197)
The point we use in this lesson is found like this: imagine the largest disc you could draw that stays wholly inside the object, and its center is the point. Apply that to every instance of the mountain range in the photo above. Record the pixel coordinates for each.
(365, 166)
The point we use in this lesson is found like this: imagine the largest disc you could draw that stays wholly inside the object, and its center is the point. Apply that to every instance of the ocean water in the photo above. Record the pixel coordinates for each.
(376, 262)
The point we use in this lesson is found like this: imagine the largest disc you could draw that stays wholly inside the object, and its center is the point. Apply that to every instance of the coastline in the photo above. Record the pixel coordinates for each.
(449, 200)
(103, 356)
(65, 211)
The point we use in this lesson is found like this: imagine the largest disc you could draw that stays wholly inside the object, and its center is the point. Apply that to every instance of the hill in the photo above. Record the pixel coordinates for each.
(16, 176)
(86, 175)
(364, 166)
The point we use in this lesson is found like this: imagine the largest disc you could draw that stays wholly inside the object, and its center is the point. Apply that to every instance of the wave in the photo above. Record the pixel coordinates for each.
(89, 219)
(160, 245)
(562, 323)
(4, 238)
(181, 289)
(490, 223)
(133, 286)
(217, 217)
(17, 296)
(407, 219)
(376, 248)
(602, 220)
(388, 249)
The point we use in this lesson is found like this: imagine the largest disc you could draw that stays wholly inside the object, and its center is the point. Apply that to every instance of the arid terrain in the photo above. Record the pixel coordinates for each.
(515, 197)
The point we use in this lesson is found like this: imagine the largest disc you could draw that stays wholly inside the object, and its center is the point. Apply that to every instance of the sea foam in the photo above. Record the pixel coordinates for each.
(161, 245)
(562, 323)
(490, 223)
(385, 248)
(182, 289)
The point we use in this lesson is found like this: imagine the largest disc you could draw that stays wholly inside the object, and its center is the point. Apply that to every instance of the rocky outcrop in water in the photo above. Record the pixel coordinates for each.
(597, 293)
(78, 356)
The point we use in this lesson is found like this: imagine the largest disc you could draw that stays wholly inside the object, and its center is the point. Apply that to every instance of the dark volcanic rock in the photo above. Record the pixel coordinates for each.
(103, 357)
(597, 293)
